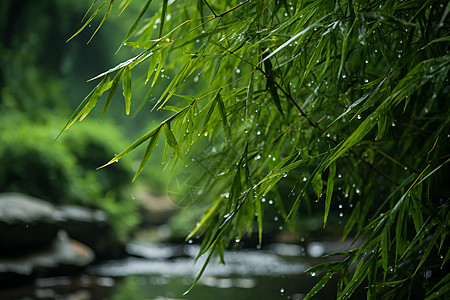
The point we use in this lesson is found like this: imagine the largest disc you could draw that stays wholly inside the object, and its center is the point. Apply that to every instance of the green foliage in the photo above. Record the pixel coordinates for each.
(349, 98)
(63, 172)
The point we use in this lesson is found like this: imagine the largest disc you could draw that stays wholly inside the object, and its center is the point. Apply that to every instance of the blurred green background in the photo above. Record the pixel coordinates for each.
(42, 81)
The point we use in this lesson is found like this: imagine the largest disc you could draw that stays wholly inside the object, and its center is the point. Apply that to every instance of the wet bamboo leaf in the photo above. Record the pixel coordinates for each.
(317, 185)
(112, 91)
(161, 58)
(131, 147)
(171, 140)
(223, 115)
(163, 17)
(320, 285)
(89, 20)
(427, 251)
(126, 86)
(133, 27)
(148, 152)
(102, 87)
(330, 186)
(111, 2)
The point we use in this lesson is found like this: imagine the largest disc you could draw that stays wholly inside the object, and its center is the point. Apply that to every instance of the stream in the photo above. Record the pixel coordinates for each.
(166, 271)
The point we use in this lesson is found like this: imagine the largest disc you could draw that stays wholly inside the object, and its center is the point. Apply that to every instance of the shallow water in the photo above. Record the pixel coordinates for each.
(159, 271)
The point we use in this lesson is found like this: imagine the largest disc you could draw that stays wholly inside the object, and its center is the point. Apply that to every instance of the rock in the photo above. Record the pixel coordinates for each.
(88, 226)
(62, 253)
(25, 223)
(30, 223)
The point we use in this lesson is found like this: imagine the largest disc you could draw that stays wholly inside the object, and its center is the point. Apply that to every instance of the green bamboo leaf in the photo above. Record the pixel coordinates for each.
(428, 250)
(124, 4)
(200, 273)
(126, 86)
(259, 219)
(344, 50)
(163, 17)
(111, 2)
(385, 249)
(212, 106)
(161, 58)
(206, 218)
(223, 115)
(357, 279)
(330, 186)
(148, 152)
(112, 91)
(133, 27)
(317, 184)
(382, 124)
(130, 148)
(442, 291)
(152, 66)
(334, 265)
(172, 141)
(319, 285)
(184, 72)
(141, 56)
(102, 87)
(270, 85)
(88, 21)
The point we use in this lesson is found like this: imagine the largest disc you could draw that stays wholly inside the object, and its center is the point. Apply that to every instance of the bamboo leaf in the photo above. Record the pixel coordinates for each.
(317, 185)
(102, 87)
(212, 106)
(112, 91)
(111, 2)
(163, 17)
(131, 147)
(330, 186)
(126, 86)
(148, 152)
(88, 21)
(223, 115)
(172, 141)
(136, 22)
(319, 285)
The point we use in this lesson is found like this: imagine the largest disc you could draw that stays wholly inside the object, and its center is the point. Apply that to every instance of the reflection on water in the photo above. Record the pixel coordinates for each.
(167, 271)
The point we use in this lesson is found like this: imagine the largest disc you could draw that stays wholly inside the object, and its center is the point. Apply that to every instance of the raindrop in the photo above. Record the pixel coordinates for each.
(196, 79)
(304, 179)
(270, 202)
(366, 80)
(238, 71)
(263, 200)
(282, 290)
(313, 274)
(275, 218)
(358, 191)
(190, 241)
(284, 174)
(258, 157)
(197, 41)
(258, 132)
(339, 175)
(359, 117)
(341, 215)
(340, 205)
(237, 240)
